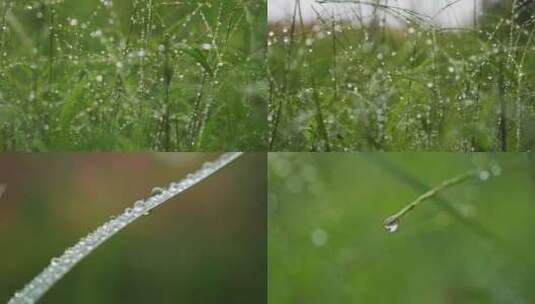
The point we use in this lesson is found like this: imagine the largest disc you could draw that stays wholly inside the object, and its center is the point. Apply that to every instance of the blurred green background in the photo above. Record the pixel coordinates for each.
(326, 242)
(208, 245)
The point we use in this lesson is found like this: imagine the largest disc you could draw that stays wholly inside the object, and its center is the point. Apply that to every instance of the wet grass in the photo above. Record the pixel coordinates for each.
(132, 75)
(341, 85)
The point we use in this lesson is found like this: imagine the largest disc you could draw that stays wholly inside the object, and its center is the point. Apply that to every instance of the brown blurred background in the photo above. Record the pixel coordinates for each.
(208, 245)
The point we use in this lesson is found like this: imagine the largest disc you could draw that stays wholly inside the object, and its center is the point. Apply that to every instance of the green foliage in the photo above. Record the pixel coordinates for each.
(131, 75)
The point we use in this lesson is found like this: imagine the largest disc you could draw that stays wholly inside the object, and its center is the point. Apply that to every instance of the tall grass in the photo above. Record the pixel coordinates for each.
(416, 86)
(131, 75)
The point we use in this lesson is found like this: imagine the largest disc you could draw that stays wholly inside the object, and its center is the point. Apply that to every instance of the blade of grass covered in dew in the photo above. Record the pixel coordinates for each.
(60, 266)
(495, 240)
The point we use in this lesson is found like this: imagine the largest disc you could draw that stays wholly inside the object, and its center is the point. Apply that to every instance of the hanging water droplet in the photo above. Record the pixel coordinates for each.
(391, 224)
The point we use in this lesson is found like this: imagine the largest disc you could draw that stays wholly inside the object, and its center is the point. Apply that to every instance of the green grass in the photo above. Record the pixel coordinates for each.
(132, 75)
(327, 243)
(339, 85)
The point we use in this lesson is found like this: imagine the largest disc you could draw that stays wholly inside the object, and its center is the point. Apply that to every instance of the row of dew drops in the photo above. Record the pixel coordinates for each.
(59, 266)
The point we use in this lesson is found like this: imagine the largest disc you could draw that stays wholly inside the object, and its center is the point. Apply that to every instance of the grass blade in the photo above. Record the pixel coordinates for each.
(61, 265)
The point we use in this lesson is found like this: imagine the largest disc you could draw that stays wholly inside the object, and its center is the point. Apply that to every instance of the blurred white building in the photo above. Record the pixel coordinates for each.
(448, 13)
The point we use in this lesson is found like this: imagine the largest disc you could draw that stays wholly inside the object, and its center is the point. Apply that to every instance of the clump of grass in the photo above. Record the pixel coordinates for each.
(61, 265)
(417, 86)
(130, 75)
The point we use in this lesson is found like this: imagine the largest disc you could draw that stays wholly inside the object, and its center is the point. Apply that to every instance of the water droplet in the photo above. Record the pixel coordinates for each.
(139, 206)
(391, 224)
(54, 262)
(157, 191)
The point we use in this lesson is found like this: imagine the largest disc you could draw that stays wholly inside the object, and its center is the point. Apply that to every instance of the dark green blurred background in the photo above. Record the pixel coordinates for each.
(326, 241)
(208, 245)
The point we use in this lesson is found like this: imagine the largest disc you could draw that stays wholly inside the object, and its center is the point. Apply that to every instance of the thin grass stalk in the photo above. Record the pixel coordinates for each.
(394, 219)
(195, 115)
(319, 118)
(3, 27)
(61, 265)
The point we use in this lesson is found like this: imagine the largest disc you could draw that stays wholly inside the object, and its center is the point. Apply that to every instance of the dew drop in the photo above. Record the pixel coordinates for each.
(55, 262)
(391, 224)
(157, 191)
(139, 206)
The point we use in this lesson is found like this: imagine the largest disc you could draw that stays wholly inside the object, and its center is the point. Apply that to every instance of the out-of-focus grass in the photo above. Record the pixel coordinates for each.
(132, 75)
(326, 241)
(206, 246)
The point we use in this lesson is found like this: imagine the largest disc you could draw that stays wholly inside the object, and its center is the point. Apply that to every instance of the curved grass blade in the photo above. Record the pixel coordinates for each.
(61, 265)
(392, 222)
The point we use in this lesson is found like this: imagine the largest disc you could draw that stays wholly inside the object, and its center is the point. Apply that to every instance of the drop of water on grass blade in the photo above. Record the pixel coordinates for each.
(391, 224)
(157, 191)
(139, 206)
(54, 262)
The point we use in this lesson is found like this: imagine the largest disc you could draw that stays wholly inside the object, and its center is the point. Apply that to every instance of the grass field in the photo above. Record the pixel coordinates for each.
(357, 85)
(327, 243)
(132, 75)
